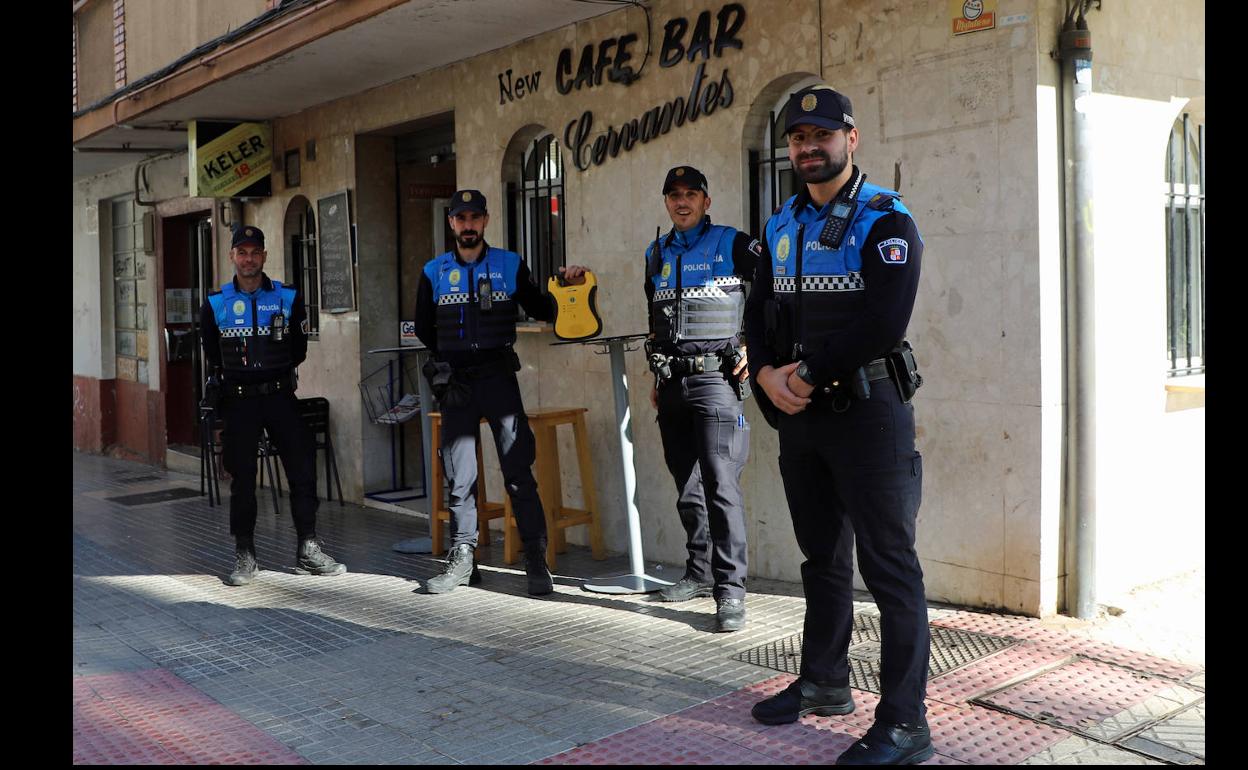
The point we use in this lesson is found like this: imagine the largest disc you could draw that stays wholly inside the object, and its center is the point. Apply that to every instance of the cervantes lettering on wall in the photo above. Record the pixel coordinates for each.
(336, 269)
(610, 58)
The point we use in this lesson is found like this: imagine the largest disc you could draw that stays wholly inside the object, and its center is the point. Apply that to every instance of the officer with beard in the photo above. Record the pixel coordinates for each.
(466, 315)
(825, 324)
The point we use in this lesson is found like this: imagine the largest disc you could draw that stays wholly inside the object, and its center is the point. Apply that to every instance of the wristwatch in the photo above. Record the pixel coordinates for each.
(803, 374)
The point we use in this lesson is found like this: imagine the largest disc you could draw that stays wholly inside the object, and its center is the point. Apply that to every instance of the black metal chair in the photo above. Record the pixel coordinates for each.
(210, 460)
(315, 413)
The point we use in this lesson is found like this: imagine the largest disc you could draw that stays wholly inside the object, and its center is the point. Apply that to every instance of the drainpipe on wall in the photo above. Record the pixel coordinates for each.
(1075, 47)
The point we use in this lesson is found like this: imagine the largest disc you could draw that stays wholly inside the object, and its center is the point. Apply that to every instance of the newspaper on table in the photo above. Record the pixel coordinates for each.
(407, 408)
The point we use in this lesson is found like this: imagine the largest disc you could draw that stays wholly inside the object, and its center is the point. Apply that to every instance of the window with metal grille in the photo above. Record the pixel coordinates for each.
(1185, 248)
(772, 180)
(131, 290)
(303, 260)
(535, 210)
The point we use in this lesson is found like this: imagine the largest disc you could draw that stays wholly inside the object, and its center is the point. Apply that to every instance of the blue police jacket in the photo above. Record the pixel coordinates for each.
(823, 291)
(461, 323)
(697, 293)
(249, 325)
(820, 287)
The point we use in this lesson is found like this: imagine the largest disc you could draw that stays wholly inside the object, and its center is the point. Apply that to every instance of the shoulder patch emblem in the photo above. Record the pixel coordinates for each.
(454, 276)
(667, 270)
(894, 251)
(239, 307)
(303, 326)
(755, 248)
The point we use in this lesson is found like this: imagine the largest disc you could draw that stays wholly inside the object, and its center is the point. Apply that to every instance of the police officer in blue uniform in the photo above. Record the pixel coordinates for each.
(466, 315)
(696, 278)
(826, 323)
(255, 334)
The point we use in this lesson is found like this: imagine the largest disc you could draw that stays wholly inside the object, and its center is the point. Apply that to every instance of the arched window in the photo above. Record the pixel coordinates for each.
(301, 261)
(771, 174)
(535, 210)
(1185, 247)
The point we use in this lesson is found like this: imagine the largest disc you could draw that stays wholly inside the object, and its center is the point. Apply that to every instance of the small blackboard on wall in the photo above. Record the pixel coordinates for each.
(333, 217)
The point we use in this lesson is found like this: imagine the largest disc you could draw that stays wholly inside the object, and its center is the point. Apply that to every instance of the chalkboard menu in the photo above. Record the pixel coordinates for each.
(337, 276)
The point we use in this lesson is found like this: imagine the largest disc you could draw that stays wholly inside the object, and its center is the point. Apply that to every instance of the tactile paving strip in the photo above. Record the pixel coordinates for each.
(950, 649)
(1014, 663)
(152, 717)
(961, 735)
(1026, 628)
(1096, 699)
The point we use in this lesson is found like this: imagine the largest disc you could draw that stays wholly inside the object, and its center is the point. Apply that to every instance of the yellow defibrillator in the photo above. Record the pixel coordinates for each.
(576, 317)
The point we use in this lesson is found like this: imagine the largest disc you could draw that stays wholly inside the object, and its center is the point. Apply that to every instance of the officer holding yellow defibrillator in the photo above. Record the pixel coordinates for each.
(466, 315)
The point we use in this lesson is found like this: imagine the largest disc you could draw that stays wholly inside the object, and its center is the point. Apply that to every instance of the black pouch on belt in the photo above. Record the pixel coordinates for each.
(439, 375)
(905, 371)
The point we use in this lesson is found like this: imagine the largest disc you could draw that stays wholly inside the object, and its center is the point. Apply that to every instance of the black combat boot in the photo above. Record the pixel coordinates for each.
(801, 698)
(891, 743)
(729, 614)
(540, 580)
(685, 589)
(245, 567)
(461, 570)
(311, 560)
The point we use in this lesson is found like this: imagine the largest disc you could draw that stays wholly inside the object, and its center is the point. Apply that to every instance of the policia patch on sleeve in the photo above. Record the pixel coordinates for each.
(894, 251)
(755, 248)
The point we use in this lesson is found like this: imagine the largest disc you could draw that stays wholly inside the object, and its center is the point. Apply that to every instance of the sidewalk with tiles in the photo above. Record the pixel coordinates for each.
(172, 666)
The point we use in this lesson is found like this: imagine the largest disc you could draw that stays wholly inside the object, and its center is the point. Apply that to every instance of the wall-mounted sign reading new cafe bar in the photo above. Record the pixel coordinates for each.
(230, 160)
(706, 38)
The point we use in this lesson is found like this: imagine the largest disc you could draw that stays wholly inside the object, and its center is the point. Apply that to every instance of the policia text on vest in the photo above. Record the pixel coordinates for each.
(254, 335)
(695, 285)
(831, 300)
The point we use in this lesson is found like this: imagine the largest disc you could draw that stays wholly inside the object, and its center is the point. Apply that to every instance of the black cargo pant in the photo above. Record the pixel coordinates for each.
(244, 417)
(852, 475)
(497, 399)
(706, 442)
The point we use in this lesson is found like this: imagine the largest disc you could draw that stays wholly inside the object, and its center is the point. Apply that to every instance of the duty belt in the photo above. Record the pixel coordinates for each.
(280, 385)
(683, 366)
(506, 364)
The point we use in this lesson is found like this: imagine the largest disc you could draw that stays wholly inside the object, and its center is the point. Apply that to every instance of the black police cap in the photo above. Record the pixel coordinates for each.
(247, 234)
(687, 175)
(819, 105)
(467, 200)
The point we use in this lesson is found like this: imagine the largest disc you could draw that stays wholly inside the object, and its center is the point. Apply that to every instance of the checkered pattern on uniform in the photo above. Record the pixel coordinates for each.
(461, 298)
(714, 289)
(848, 282)
(241, 331)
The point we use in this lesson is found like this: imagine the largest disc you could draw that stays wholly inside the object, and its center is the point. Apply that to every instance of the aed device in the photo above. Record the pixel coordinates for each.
(576, 313)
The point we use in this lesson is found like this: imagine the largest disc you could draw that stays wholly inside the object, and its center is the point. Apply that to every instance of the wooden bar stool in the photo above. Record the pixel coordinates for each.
(486, 510)
(559, 517)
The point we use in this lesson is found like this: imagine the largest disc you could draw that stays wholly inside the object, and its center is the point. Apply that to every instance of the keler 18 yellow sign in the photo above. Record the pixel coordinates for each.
(228, 160)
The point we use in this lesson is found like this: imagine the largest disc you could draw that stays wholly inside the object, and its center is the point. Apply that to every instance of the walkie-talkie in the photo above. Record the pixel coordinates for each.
(841, 215)
(485, 293)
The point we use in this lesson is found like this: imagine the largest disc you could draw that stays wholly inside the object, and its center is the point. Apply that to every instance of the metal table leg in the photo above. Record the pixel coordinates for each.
(636, 581)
